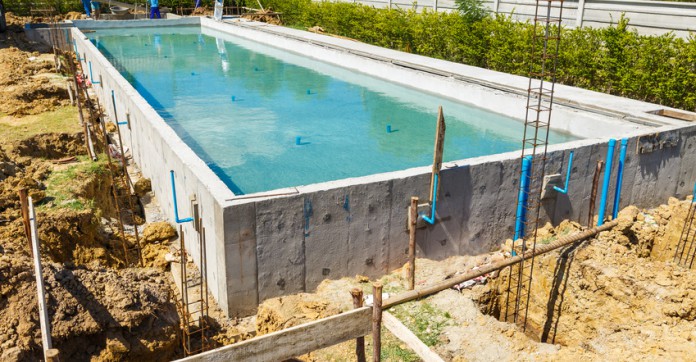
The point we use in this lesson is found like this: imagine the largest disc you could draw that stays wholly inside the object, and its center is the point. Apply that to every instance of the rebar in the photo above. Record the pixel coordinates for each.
(534, 146)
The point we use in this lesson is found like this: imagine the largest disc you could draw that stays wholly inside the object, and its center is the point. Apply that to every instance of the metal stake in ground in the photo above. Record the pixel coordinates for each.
(40, 290)
(357, 294)
(376, 322)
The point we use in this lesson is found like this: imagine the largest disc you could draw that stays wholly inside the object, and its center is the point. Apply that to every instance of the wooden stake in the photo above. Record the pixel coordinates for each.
(52, 355)
(437, 154)
(376, 322)
(25, 215)
(413, 220)
(40, 290)
(357, 294)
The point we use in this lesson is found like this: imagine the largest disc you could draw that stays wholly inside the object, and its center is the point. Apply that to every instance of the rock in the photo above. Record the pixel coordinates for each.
(362, 279)
(142, 186)
(158, 231)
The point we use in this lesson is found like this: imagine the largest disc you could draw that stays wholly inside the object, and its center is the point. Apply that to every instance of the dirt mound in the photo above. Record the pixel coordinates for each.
(618, 296)
(51, 146)
(96, 314)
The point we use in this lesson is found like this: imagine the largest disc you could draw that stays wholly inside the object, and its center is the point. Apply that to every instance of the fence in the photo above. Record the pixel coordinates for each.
(648, 17)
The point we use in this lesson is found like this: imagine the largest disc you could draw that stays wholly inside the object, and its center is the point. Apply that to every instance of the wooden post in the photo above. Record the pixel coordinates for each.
(413, 220)
(70, 93)
(376, 322)
(357, 294)
(52, 355)
(437, 154)
(25, 215)
(41, 291)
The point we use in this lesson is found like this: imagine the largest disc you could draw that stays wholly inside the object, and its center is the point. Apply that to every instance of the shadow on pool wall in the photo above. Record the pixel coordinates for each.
(266, 246)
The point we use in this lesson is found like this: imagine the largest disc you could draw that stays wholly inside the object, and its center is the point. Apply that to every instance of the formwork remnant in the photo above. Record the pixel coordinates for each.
(542, 79)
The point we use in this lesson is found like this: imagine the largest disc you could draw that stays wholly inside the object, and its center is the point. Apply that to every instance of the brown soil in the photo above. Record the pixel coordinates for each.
(100, 309)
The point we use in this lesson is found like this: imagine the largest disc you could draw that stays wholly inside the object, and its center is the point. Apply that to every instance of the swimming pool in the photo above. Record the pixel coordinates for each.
(263, 119)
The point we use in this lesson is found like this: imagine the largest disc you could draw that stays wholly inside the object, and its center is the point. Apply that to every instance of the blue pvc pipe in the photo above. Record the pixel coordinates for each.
(619, 178)
(570, 166)
(693, 197)
(389, 129)
(521, 217)
(431, 220)
(91, 78)
(298, 141)
(113, 101)
(77, 54)
(605, 185)
(176, 206)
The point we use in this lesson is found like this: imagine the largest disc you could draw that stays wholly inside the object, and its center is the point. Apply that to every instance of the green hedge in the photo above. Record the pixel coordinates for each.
(615, 60)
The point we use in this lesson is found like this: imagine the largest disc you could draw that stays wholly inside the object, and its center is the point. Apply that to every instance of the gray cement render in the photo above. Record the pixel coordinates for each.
(261, 246)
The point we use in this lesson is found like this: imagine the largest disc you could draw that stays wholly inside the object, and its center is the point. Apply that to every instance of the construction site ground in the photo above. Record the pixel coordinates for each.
(616, 297)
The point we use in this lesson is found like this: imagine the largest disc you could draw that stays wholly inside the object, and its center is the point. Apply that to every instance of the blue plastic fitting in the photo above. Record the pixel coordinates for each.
(389, 130)
(570, 166)
(521, 217)
(431, 220)
(309, 91)
(234, 98)
(176, 206)
(91, 78)
(298, 141)
(619, 178)
(693, 197)
(605, 185)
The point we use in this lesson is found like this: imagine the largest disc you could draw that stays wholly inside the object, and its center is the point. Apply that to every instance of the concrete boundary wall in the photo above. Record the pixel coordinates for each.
(262, 246)
(646, 16)
(157, 149)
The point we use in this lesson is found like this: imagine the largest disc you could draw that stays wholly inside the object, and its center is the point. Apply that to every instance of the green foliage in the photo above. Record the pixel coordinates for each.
(615, 60)
(471, 10)
(424, 320)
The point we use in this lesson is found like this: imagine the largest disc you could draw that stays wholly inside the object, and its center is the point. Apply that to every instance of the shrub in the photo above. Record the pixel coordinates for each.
(615, 60)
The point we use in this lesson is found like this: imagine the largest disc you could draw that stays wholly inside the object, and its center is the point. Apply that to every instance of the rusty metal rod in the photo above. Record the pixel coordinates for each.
(593, 193)
(432, 289)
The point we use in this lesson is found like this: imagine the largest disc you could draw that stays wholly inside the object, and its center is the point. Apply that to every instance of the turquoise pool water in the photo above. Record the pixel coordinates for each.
(242, 106)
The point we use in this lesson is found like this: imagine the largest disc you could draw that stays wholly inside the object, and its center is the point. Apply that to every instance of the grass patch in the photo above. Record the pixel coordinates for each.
(424, 320)
(63, 187)
(61, 120)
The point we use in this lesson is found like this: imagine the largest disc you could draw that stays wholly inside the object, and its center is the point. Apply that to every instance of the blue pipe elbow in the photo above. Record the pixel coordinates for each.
(431, 220)
(567, 180)
(605, 184)
(91, 78)
(619, 178)
(176, 206)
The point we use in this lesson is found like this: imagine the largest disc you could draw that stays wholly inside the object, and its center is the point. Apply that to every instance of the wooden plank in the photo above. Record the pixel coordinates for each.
(41, 291)
(294, 341)
(405, 335)
(437, 157)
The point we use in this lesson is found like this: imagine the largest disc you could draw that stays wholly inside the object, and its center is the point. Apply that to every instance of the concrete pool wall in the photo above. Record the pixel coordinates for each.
(261, 246)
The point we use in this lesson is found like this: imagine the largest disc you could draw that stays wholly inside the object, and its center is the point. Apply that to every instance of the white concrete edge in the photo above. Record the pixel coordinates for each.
(575, 97)
(187, 156)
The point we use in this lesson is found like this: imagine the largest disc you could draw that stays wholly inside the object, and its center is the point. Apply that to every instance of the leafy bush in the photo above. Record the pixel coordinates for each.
(615, 60)
(472, 10)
